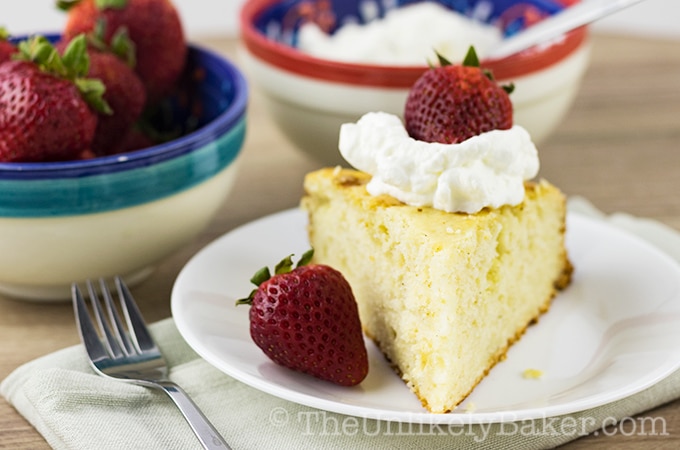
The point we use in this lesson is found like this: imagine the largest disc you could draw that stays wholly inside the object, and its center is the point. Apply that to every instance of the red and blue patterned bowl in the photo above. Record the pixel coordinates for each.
(309, 97)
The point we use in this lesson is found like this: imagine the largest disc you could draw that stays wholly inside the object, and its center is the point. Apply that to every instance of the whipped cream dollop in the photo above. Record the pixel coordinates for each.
(408, 35)
(487, 170)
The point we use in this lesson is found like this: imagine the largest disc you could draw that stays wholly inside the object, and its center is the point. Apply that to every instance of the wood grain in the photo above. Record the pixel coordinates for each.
(619, 147)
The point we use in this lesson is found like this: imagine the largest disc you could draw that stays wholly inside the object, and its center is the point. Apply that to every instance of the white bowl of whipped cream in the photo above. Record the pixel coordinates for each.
(323, 63)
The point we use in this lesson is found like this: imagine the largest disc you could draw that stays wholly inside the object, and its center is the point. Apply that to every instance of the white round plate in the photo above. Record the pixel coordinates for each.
(612, 333)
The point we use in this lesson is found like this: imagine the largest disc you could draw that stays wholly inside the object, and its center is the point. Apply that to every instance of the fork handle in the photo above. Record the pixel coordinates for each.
(205, 431)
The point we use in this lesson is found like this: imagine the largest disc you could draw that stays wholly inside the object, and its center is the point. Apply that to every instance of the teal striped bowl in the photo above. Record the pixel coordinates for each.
(64, 222)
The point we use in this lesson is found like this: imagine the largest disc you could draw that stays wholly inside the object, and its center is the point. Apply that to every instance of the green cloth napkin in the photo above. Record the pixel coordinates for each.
(75, 409)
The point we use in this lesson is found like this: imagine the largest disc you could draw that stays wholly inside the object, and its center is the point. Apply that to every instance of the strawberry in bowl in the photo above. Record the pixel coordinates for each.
(153, 25)
(98, 215)
(48, 108)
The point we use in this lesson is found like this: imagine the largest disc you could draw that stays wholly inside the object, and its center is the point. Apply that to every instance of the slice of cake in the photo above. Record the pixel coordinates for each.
(449, 246)
(443, 294)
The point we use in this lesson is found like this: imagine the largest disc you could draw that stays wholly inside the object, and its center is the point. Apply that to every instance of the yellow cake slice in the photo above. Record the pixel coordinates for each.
(442, 294)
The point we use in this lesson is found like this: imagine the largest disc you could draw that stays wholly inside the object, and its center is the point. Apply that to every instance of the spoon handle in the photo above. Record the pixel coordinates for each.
(568, 19)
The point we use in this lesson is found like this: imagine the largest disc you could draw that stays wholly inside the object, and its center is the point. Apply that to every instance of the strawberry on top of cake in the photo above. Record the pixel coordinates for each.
(450, 247)
(458, 149)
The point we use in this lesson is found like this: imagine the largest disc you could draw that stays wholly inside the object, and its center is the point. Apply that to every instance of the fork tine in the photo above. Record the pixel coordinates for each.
(136, 325)
(88, 334)
(145, 364)
(114, 318)
(110, 342)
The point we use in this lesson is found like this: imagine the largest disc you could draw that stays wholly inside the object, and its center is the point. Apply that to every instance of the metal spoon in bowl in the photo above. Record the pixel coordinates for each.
(569, 19)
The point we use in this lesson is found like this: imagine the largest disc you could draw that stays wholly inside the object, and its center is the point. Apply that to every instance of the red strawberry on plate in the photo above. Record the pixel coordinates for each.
(451, 103)
(46, 104)
(153, 25)
(306, 319)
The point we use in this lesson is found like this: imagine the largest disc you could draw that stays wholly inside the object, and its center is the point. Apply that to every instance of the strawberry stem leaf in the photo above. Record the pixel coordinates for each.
(305, 258)
(39, 50)
(261, 276)
(92, 91)
(75, 57)
(95, 38)
(72, 66)
(66, 5)
(284, 266)
(443, 61)
(248, 300)
(116, 4)
(123, 47)
(120, 44)
(471, 59)
(509, 88)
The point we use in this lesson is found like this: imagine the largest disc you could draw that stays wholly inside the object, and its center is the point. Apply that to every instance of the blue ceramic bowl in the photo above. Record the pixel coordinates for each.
(310, 97)
(64, 222)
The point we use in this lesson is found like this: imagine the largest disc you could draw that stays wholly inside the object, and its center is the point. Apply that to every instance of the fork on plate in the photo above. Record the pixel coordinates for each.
(129, 353)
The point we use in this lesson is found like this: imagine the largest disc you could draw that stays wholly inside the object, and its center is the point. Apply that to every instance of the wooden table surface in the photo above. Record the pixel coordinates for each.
(619, 147)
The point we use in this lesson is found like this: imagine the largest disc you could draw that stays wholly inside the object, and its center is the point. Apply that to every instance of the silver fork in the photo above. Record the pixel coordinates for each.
(132, 355)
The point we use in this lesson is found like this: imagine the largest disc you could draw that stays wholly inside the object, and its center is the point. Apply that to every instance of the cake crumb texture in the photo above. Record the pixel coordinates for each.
(442, 294)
